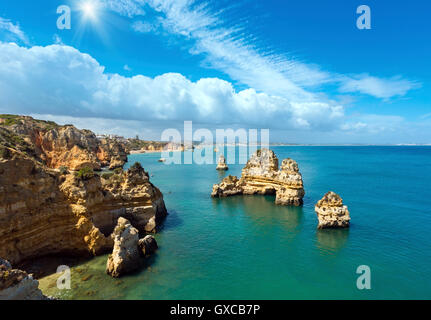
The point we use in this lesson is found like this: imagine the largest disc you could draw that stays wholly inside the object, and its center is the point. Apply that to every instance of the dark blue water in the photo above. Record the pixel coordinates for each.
(246, 247)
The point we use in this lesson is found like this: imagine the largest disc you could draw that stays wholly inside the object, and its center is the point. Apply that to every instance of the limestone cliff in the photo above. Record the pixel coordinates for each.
(44, 211)
(62, 146)
(261, 175)
(331, 212)
(37, 218)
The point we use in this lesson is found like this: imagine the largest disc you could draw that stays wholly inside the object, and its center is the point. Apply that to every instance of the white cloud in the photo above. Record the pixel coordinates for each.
(378, 87)
(61, 81)
(374, 124)
(143, 27)
(230, 50)
(125, 7)
(225, 49)
(12, 31)
(127, 68)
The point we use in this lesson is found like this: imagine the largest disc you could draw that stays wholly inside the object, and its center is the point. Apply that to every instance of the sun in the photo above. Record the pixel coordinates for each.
(92, 19)
(89, 9)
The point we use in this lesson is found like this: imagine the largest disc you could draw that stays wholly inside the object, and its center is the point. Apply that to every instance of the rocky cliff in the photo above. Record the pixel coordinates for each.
(331, 212)
(261, 175)
(61, 146)
(44, 211)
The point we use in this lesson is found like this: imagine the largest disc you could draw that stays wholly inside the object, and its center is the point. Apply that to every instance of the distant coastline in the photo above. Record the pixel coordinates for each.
(352, 145)
(152, 151)
(329, 145)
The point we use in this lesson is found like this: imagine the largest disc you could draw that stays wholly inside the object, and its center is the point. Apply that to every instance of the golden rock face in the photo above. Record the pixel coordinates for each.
(66, 146)
(261, 175)
(331, 212)
(44, 211)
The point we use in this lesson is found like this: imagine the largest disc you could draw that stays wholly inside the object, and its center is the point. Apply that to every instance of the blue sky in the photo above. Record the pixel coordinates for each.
(300, 68)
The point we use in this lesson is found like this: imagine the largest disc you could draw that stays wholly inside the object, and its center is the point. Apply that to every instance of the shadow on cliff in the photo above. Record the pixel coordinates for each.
(46, 265)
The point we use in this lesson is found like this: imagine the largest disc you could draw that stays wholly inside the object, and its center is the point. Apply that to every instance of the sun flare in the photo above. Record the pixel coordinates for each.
(89, 9)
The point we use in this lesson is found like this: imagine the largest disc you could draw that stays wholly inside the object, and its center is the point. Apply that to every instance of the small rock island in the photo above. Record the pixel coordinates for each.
(221, 165)
(261, 175)
(331, 212)
(128, 249)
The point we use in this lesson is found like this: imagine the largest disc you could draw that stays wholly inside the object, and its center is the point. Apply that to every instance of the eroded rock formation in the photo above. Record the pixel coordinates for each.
(17, 284)
(230, 186)
(331, 212)
(130, 194)
(148, 245)
(37, 217)
(125, 257)
(261, 175)
(44, 211)
(221, 164)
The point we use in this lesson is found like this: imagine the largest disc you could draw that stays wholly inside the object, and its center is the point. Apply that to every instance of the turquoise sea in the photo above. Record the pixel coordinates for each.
(246, 247)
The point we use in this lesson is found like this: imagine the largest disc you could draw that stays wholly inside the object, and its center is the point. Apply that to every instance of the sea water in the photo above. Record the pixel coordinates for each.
(246, 247)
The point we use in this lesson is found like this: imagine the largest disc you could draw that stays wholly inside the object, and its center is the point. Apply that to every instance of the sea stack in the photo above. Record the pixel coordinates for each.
(221, 165)
(331, 212)
(125, 256)
(261, 175)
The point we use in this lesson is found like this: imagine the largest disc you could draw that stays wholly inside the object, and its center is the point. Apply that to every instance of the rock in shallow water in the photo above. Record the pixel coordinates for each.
(331, 212)
(221, 165)
(261, 175)
(228, 187)
(125, 256)
(148, 245)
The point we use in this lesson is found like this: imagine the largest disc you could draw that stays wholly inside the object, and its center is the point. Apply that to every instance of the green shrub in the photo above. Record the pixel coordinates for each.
(85, 173)
(4, 153)
(137, 166)
(118, 171)
(9, 119)
(116, 179)
(63, 170)
(107, 175)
